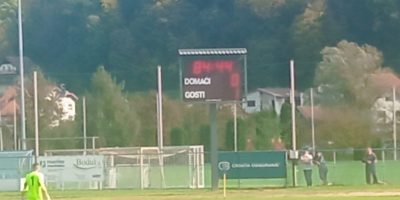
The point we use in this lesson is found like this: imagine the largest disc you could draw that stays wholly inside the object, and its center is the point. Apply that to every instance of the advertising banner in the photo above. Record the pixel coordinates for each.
(248, 165)
(73, 168)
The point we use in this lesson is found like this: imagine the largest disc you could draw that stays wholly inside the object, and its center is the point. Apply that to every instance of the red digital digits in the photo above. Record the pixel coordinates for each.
(218, 72)
(234, 80)
(206, 66)
(235, 84)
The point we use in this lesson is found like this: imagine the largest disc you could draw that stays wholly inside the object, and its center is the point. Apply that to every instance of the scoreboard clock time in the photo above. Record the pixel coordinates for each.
(212, 78)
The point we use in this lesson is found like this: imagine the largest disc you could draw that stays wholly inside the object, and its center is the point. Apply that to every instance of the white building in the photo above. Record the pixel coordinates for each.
(65, 101)
(383, 107)
(268, 99)
(383, 110)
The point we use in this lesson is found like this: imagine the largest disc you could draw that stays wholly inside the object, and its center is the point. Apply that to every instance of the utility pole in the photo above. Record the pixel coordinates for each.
(21, 74)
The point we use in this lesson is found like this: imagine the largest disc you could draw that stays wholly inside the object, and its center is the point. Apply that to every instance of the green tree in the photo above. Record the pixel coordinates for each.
(263, 126)
(50, 113)
(145, 106)
(177, 137)
(285, 121)
(345, 127)
(241, 134)
(110, 115)
(343, 72)
(7, 20)
(308, 38)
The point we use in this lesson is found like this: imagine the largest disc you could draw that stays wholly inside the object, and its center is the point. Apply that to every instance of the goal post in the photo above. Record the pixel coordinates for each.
(151, 167)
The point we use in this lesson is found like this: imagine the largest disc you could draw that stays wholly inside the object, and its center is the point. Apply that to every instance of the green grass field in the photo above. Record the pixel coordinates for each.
(347, 177)
(377, 192)
(345, 173)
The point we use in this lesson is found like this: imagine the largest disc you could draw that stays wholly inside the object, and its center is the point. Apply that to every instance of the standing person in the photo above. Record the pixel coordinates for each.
(307, 161)
(322, 168)
(34, 184)
(370, 168)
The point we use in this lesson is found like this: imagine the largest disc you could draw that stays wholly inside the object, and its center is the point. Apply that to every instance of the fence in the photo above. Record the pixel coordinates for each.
(13, 166)
(189, 167)
(142, 167)
(344, 168)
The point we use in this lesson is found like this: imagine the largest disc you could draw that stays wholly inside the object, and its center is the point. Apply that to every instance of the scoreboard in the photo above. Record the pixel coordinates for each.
(212, 75)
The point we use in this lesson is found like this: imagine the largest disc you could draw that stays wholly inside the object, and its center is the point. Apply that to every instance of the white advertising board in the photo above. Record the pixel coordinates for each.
(73, 168)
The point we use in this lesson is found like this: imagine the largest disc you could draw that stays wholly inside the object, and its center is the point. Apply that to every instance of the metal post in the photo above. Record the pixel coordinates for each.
(293, 103)
(245, 75)
(334, 157)
(312, 119)
(160, 131)
(93, 144)
(84, 125)
(15, 127)
(394, 125)
(21, 73)
(36, 116)
(1, 138)
(159, 110)
(235, 127)
(1, 134)
(214, 145)
(180, 79)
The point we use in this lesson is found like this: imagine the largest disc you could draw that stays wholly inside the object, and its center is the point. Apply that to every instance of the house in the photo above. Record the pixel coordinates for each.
(269, 99)
(9, 77)
(9, 91)
(383, 83)
(380, 86)
(8, 105)
(65, 101)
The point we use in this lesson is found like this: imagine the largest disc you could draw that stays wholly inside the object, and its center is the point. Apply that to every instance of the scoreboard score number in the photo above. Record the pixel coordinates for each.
(212, 78)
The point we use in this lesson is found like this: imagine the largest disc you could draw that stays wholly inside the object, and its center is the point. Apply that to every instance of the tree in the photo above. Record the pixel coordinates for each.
(7, 19)
(263, 126)
(110, 115)
(308, 38)
(177, 137)
(50, 114)
(241, 134)
(342, 74)
(145, 106)
(345, 127)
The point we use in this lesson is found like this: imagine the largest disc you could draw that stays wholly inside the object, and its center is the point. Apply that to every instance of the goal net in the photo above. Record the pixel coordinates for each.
(151, 167)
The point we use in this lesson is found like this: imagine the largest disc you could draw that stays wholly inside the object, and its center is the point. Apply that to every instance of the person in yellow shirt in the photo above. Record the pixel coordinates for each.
(34, 186)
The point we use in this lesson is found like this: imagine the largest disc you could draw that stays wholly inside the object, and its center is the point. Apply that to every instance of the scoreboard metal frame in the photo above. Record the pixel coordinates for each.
(213, 75)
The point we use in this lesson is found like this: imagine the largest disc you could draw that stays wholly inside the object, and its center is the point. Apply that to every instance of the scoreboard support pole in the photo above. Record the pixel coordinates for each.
(214, 145)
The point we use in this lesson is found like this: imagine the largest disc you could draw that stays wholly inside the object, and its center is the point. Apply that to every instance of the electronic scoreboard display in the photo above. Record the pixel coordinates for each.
(212, 77)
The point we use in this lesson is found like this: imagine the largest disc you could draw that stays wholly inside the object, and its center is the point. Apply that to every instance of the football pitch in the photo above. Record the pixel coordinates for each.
(377, 192)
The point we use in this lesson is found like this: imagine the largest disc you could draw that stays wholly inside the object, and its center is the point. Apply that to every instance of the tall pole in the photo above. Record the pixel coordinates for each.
(36, 116)
(312, 119)
(21, 73)
(293, 103)
(394, 125)
(235, 127)
(214, 145)
(1, 134)
(15, 126)
(84, 125)
(159, 109)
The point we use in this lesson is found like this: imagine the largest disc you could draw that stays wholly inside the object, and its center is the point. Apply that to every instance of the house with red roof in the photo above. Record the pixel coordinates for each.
(64, 99)
(8, 104)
